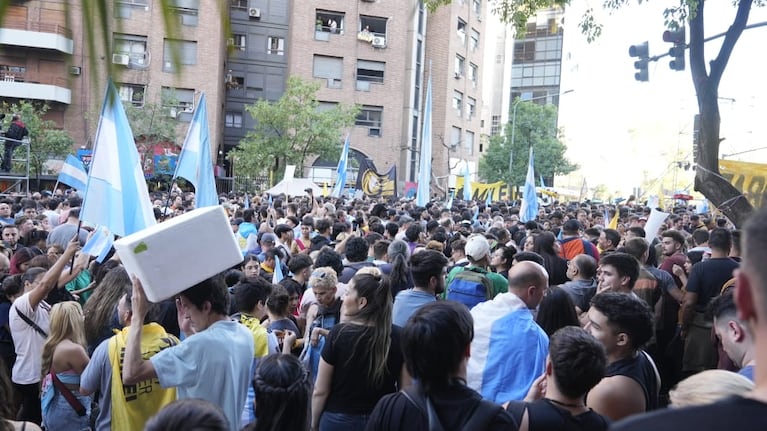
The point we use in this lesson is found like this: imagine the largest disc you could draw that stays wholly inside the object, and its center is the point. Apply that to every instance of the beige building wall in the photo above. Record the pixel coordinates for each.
(310, 38)
(454, 48)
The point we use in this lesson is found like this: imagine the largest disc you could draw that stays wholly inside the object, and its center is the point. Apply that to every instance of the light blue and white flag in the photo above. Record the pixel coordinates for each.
(194, 162)
(277, 276)
(423, 191)
(73, 173)
(338, 188)
(99, 244)
(503, 366)
(466, 183)
(449, 204)
(489, 199)
(246, 202)
(529, 208)
(116, 195)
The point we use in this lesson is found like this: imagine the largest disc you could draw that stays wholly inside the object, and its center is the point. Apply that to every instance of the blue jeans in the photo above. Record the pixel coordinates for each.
(330, 421)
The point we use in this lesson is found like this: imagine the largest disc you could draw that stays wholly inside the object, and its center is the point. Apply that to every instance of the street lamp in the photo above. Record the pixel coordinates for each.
(514, 117)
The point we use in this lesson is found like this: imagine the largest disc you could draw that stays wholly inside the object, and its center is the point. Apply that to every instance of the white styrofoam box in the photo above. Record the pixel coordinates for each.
(173, 256)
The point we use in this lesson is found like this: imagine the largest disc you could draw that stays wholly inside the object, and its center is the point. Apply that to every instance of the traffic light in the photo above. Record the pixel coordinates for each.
(641, 51)
(677, 37)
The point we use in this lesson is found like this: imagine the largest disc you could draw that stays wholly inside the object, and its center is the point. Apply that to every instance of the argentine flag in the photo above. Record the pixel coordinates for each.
(116, 196)
(194, 162)
(73, 173)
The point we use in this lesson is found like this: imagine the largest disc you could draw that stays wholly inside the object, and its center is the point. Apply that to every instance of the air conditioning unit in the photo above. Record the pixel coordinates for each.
(122, 59)
(379, 42)
(75, 70)
(254, 12)
(374, 131)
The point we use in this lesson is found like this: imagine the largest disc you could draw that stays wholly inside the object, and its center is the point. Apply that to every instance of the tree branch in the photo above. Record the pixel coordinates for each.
(733, 34)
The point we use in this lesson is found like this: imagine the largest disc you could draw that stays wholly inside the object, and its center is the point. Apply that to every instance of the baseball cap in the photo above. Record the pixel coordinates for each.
(268, 237)
(477, 247)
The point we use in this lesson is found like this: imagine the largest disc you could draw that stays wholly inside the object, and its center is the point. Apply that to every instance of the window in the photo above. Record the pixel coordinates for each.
(524, 51)
(326, 106)
(459, 65)
(370, 117)
(185, 50)
(187, 11)
(370, 71)
(373, 24)
(455, 137)
(495, 125)
(123, 8)
(328, 21)
(476, 6)
(469, 142)
(473, 74)
(238, 41)
(132, 93)
(330, 68)
(132, 45)
(233, 120)
(461, 28)
(178, 100)
(457, 101)
(474, 40)
(471, 107)
(239, 4)
(275, 45)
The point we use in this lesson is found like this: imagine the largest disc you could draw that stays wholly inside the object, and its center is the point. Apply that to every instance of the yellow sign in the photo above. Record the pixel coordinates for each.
(479, 191)
(749, 178)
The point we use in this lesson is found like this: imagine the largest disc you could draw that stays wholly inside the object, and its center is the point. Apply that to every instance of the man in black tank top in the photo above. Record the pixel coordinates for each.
(623, 323)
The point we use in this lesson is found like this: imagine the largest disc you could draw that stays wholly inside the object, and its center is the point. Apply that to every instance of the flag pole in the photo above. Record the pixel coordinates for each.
(77, 234)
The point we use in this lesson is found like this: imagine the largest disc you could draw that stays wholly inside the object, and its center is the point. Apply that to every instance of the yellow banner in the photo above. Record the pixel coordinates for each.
(749, 178)
(479, 191)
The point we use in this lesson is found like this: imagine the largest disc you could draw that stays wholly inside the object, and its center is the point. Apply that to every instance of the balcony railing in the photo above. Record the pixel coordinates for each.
(38, 27)
(13, 74)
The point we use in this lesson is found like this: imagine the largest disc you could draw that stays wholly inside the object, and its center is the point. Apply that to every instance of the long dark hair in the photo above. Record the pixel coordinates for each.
(282, 394)
(399, 253)
(556, 311)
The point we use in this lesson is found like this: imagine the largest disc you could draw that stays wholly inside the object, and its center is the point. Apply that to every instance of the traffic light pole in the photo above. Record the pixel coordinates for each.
(709, 39)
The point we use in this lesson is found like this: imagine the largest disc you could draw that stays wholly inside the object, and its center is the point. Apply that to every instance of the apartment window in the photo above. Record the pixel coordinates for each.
(178, 100)
(239, 4)
(233, 120)
(473, 74)
(187, 11)
(370, 117)
(455, 137)
(457, 101)
(370, 71)
(373, 24)
(326, 106)
(238, 41)
(524, 51)
(474, 40)
(459, 65)
(123, 8)
(330, 68)
(471, 107)
(275, 45)
(476, 6)
(132, 93)
(328, 21)
(461, 28)
(186, 51)
(469, 142)
(134, 46)
(495, 125)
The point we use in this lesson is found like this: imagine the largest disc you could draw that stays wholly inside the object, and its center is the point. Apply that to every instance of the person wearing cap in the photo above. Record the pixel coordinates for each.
(266, 242)
(236, 222)
(572, 244)
(477, 250)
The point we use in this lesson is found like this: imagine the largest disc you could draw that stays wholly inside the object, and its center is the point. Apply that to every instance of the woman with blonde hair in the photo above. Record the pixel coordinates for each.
(708, 387)
(64, 359)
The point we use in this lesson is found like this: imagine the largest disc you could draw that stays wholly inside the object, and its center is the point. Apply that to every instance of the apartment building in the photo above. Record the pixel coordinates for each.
(454, 49)
(256, 63)
(368, 53)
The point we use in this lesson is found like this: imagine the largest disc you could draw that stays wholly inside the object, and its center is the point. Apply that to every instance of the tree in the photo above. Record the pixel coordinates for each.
(535, 126)
(291, 129)
(47, 140)
(708, 181)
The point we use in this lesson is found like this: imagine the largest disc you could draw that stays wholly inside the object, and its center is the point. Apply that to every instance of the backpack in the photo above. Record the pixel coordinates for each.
(470, 287)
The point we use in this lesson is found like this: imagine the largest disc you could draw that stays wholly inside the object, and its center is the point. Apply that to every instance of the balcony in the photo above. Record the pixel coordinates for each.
(19, 84)
(37, 35)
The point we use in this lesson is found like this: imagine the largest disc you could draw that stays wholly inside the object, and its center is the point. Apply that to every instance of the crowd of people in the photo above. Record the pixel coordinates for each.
(364, 314)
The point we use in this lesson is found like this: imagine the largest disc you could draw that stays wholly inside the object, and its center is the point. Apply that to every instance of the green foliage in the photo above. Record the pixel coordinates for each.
(515, 12)
(48, 141)
(151, 123)
(535, 125)
(291, 129)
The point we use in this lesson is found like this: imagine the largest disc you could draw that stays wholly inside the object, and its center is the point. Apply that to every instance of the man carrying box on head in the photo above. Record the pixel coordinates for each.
(219, 352)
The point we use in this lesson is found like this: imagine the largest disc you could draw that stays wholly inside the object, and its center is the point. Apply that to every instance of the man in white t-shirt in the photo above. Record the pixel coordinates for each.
(29, 322)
